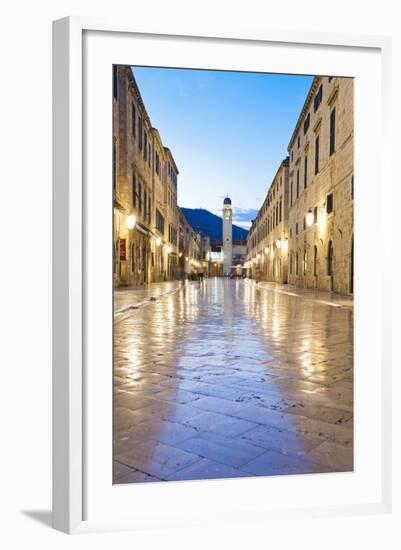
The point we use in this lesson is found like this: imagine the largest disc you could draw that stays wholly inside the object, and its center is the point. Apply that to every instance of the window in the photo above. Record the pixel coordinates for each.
(140, 196)
(296, 228)
(315, 260)
(145, 203)
(140, 132)
(115, 82)
(317, 155)
(133, 120)
(306, 172)
(172, 232)
(315, 214)
(329, 203)
(332, 131)
(159, 222)
(297, 184)
(145, 145)
(305, 262)
(306, 123)
(134, 190)
(281, 210)
(330, 253)
(133, 257)
(290, 232)
(331, 78)
(291, 192)
(292, 156)
(296, 264)
(299, 142)
(150, 154)
(318, 98)
(157, 164)
(352, 187)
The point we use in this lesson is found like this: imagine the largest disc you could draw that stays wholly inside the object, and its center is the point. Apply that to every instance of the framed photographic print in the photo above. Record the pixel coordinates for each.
(220, 337)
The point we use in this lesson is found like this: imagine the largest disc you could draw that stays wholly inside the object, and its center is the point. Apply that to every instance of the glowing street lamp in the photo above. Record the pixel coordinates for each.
(131, 221)
(158, 241)
(168, 250)
(266, 250)
(180, 254)
(278, 243)
(309, 218)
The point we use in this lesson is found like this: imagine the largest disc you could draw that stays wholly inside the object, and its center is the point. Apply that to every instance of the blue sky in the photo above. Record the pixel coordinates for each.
(228, 131)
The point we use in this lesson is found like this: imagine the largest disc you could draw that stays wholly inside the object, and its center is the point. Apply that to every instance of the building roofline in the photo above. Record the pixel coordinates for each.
(135, 88)
(172, 158)
(304, 109)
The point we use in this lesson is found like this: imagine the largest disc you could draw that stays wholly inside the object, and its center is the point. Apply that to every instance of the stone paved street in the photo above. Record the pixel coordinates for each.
(227, 378)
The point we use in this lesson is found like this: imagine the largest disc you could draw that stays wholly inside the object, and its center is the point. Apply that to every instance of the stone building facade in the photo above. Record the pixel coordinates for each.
(317, 218)
(267, 244)
(145, 214)
(190, 245)
(321, 152)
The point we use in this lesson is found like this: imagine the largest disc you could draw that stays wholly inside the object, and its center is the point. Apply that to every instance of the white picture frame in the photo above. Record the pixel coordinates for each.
(70, 285)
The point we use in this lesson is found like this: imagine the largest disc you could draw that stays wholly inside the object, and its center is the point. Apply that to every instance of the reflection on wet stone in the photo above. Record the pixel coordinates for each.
(221, 379)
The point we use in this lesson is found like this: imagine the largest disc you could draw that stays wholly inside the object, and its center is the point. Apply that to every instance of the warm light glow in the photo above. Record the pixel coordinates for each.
(168, 250)
(278, 243)
(186, 259)
(180, 254)
(309, 219)
(158, 241)
(322, 220)
(267, 250)
(285, 245)
(131, 221)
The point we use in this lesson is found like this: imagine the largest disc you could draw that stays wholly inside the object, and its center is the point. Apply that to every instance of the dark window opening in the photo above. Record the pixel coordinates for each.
(134, 190)
(332, 131)
(306, 123)
(329, 203)
(330, 253)
(133, 120)
(315, 260)
(317, 155)
(318, 98)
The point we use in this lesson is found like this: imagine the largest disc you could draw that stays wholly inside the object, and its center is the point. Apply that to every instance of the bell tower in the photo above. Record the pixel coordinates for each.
(227, 236)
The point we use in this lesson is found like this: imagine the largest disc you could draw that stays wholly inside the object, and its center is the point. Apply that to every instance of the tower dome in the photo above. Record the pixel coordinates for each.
(227, 200)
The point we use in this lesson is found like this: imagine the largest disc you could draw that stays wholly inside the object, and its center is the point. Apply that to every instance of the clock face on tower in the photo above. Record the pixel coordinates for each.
(227, 214)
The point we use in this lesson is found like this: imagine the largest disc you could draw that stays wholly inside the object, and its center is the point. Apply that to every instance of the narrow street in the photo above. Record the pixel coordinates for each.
(226, 378)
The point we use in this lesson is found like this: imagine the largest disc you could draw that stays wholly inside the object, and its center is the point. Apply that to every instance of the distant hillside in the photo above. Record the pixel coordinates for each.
(210, 224)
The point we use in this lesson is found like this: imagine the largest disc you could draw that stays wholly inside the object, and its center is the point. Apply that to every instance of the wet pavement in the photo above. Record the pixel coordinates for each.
(227, 378)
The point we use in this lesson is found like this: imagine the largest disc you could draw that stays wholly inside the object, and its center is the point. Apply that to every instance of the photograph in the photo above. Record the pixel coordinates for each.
(233, 274)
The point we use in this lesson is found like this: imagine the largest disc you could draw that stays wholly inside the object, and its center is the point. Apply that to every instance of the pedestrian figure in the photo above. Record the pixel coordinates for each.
(257, 275)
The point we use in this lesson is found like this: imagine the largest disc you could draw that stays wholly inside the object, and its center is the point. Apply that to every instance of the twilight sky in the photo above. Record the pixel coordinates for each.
(228, 131)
